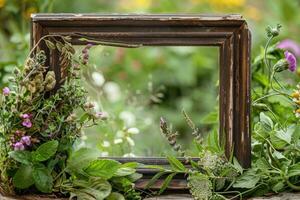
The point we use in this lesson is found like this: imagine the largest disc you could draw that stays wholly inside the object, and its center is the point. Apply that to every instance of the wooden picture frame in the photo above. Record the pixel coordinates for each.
(228, 32)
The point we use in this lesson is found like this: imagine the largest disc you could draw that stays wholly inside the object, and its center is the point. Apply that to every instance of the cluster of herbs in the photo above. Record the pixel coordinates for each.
(41, 120)
(275, 141)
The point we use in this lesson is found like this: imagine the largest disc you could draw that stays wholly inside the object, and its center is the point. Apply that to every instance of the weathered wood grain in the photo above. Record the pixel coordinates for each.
(228, 32)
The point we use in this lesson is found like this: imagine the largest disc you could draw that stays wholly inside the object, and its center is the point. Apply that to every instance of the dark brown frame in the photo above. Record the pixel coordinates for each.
(229, 32)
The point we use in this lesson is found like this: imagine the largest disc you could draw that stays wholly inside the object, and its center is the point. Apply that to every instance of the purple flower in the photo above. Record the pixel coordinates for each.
(25, 116)
(290, 45)
(26, 140)
(19, 146)
(27, 123)
(6, 91)
(291, 59)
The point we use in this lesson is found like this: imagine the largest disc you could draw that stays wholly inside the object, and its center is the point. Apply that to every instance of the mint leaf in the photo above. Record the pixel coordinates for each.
(23, 177)
(46, 151)
(42, 179)
(266, 121)
(103, 168)
(21, 156)
(81, 159)
(247, 180)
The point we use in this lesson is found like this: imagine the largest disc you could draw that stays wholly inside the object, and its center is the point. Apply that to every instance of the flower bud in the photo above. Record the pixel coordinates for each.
(281, 65)
(273, 31)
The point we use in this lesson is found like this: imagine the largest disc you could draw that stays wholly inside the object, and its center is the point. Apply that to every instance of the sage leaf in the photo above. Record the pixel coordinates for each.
(23, 177)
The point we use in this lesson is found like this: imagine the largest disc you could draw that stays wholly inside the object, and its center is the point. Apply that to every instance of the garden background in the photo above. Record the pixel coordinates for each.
(138, 86)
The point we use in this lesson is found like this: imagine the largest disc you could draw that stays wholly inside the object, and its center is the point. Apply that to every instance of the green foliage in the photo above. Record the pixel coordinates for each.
(45, 151)
(103, 168)
(23, 178)
(42, 179)
(200, 186)
(40, 132)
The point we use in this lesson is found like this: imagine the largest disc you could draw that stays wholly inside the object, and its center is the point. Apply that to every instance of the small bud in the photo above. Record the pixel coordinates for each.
(281, 65)
(273, 31)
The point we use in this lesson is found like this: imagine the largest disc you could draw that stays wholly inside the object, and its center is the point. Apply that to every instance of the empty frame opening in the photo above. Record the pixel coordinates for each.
(137, 86)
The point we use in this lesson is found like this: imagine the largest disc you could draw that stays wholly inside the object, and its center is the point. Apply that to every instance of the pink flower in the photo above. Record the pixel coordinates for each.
(290, 45)
(25, 116)
(26, 140)
(291, 59)
(27, 123)
(6, 91)
(19, 146)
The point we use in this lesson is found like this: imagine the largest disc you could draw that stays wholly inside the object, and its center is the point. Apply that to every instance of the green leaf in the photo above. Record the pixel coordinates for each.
(237, 165)
(46, 151)
(21, 156)
(176, 164)
(103, 168)
(278, 186)
(286, 135)
(294, 170)
(115, 196)
(166, 183)
(124, 171)
(42, 179)
(155, 178)
(277, 142)
(93, 189)
(247, 180)
(134, 177)
(266, 121)
(213, 142)
(81, 159)
(23, 178)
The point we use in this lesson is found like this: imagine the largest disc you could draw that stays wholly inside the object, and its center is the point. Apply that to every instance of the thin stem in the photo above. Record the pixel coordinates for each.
(261, 98)
(265, 57)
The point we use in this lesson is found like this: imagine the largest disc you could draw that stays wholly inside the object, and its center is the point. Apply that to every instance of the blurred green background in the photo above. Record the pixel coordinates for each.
(137, 86)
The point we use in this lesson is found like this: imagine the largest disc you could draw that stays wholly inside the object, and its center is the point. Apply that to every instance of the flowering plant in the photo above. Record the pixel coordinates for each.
(275, 137)
(40, 126)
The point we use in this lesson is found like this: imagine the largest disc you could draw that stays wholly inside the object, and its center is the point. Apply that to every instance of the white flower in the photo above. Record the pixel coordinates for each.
(112, 91)
(98, 78)
(96, 106)
(130, 141)
(104, 154)
(106, 144)
(128, 118)
(129, 155)
(120, 134)
(133, 131)
(118, 141)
